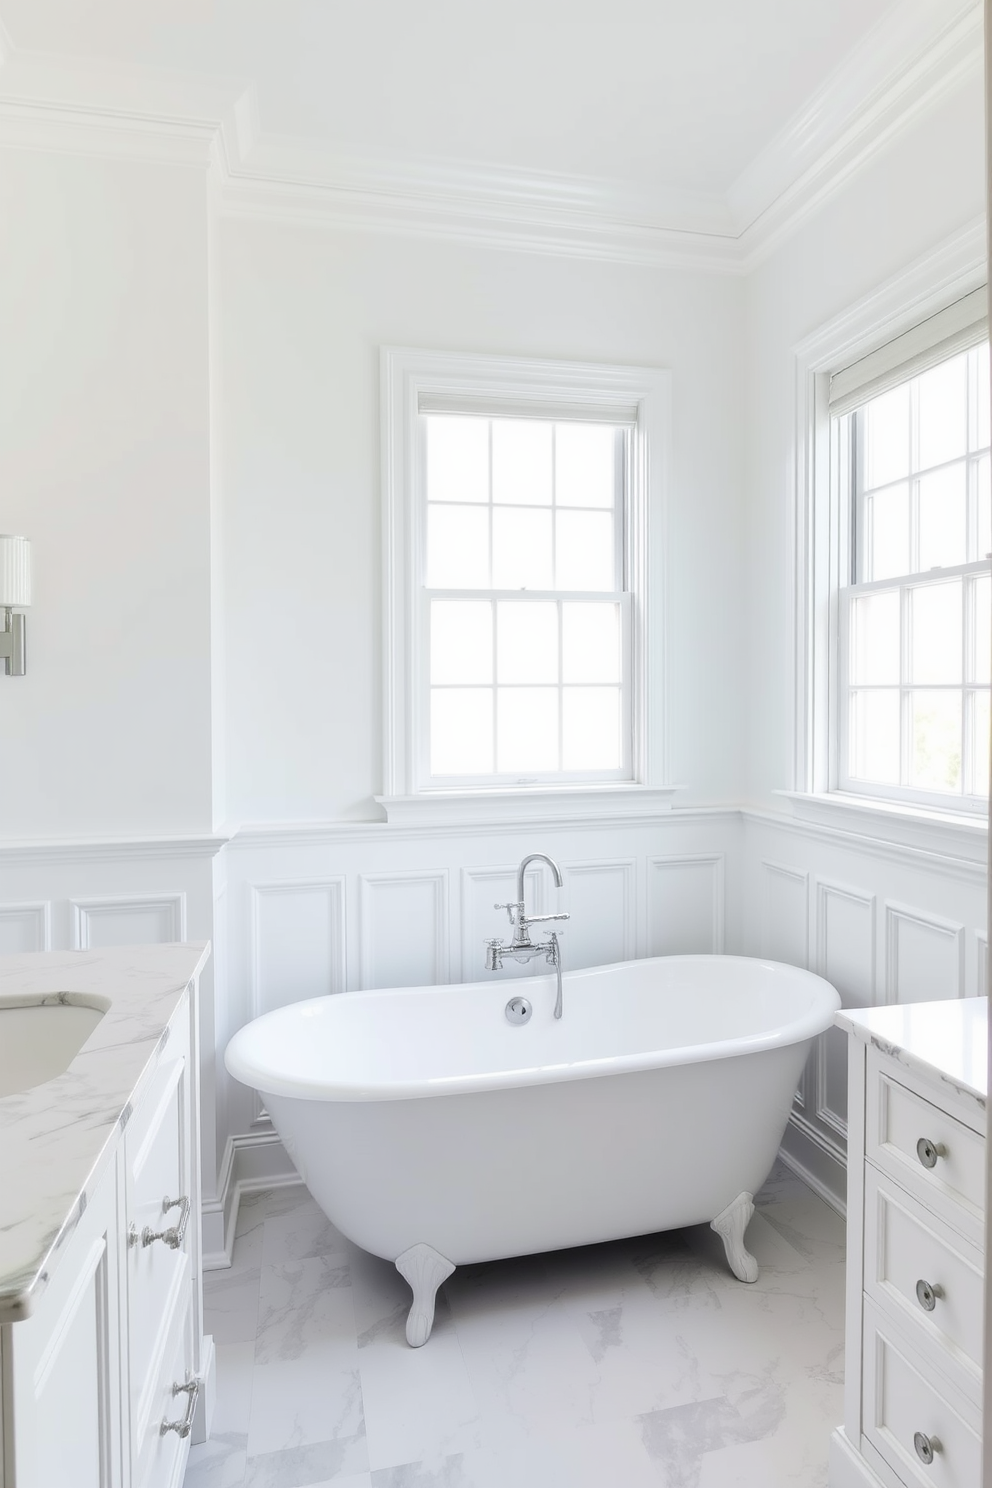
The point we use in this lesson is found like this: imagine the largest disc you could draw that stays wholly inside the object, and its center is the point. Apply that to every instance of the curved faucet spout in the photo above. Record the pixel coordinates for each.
(536, 858)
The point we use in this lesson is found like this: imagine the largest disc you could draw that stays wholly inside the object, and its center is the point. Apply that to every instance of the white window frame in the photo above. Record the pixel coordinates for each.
(953, 270)
(494, 385)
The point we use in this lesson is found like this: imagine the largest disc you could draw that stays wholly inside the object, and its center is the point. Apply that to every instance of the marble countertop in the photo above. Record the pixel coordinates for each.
(57, 1139)
(948, 1039)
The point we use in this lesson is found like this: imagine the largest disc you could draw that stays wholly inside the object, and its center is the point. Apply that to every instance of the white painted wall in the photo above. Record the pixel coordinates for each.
(304, 313)
(104, 464)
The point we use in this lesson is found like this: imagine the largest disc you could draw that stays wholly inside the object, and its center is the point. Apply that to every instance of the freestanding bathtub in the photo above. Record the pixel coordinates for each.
(433, 1132)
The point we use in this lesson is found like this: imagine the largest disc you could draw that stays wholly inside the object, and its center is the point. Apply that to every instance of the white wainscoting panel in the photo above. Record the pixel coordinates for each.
(404, 929)
(981, 964)
(601, 898)
(924, 956)
(685, 905)
(845, 955)
(482, 890)
(784, 913)
(25, 927)
(297, 942)
(134, 919)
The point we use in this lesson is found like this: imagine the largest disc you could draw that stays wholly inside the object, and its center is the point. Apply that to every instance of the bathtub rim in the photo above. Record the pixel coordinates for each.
(251, 1071)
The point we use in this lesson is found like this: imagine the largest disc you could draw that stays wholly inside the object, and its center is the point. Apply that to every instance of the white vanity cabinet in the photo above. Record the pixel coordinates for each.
(103, 1383)
(916, 1245)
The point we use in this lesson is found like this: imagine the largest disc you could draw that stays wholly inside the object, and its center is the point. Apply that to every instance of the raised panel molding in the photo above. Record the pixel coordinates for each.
(924, 956)
(133, 919)
(845, 923)
(25, 927)
(600, 896)
(297, 940)
(482, 889)
(404, 929)
(784, 913)
(685, 905)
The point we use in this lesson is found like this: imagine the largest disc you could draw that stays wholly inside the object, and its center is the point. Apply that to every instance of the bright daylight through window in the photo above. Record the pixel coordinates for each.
(526, 609)
(914, 614)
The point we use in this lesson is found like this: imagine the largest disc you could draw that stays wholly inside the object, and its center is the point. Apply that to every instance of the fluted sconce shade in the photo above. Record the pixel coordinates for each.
(15, 572)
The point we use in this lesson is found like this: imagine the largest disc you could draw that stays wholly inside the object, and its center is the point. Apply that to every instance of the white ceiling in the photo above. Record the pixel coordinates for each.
(656, 93)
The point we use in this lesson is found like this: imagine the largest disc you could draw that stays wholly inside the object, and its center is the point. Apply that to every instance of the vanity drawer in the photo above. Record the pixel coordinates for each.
(918, 1269)
(938, 1158)
(157, 1174)
(159, 1456)
(909, 1408)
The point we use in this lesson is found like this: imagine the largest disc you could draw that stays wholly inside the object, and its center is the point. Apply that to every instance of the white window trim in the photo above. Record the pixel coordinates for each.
(407, 374)
(953, 269)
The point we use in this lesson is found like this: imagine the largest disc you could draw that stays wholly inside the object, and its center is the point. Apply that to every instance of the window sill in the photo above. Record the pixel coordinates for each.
(563, 803)
(954, 833)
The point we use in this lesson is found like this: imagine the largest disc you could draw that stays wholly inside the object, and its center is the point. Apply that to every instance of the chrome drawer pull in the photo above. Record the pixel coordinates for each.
(927, 1447)
(182, 1428)
(927, 1294)
(928, 1152)
(176, 1234)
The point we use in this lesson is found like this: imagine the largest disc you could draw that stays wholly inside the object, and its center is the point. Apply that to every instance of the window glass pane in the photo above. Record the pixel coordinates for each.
(887, 522)
(936, 740)
(457, 547)
(461, 731)
(983, 638)
(585, 464)
(935, 611)
(984, 510)
(584, 551)
(887, 435)
(980, 747)
(982, 362)
(591, 728)
(875, 638)
(874, 744)
(526, 642)
(457, 458)
(526, 729)
(590, 643)
(521, 549)
(522, 462)
(461, 640)
(943, 518)
(943, 412)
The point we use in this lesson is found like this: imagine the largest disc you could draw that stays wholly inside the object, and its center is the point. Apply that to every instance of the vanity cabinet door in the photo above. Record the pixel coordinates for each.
(62, 1365)
(158, 1194)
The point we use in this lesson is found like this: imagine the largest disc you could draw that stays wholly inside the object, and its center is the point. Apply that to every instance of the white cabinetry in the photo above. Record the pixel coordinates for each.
(916, 1243)
(102, 1381)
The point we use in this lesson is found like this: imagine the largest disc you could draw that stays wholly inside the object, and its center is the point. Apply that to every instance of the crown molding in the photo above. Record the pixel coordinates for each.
(916, 55)
(107, 849)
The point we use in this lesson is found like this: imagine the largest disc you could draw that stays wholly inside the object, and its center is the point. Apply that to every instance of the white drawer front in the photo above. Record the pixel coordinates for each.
(939, 1159)
(160, 1454)
(924, 1272)
(903, 1397)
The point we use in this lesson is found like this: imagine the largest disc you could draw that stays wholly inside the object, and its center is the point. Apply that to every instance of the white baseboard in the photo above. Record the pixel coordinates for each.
(824, 1170)
(252, 1161)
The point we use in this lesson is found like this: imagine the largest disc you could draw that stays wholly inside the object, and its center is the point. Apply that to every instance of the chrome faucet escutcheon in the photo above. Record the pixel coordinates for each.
(521, 947)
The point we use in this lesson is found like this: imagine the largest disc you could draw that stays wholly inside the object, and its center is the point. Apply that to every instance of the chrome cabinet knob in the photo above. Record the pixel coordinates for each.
(927, 1294)
(927, 1447)
(928, 1152)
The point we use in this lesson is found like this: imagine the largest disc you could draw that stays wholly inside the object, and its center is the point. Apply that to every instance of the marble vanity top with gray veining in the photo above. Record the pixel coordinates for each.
(943, 1040)
(57, 1139)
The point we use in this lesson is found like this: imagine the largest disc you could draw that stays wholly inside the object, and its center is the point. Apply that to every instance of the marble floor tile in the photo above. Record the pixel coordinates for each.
(638, 1364)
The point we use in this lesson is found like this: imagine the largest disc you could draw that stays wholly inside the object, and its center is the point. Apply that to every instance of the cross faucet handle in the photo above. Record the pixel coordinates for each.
(509, 909)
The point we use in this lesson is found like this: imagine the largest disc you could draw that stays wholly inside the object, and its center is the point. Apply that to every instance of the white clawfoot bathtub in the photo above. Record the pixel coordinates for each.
(435, 1133)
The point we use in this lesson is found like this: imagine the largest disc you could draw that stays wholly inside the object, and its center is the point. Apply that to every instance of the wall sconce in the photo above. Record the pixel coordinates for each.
(15, 594)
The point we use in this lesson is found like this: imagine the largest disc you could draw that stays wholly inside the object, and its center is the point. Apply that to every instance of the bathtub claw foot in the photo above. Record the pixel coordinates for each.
(425, 1269)
(730, 1226)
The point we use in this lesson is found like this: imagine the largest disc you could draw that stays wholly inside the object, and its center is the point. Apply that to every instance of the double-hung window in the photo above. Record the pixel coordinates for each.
(910, 455)
(522, 515)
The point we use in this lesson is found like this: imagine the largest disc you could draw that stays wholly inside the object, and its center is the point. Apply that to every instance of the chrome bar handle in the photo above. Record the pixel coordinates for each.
(176, 1234)
(191, 1389)
(554, 956)
(537, 919)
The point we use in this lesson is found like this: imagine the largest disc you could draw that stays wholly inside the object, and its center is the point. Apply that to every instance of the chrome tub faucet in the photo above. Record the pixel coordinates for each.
(521, 947)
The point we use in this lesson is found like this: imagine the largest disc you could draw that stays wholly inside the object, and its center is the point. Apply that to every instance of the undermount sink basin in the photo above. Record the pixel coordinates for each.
(40, 1041)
